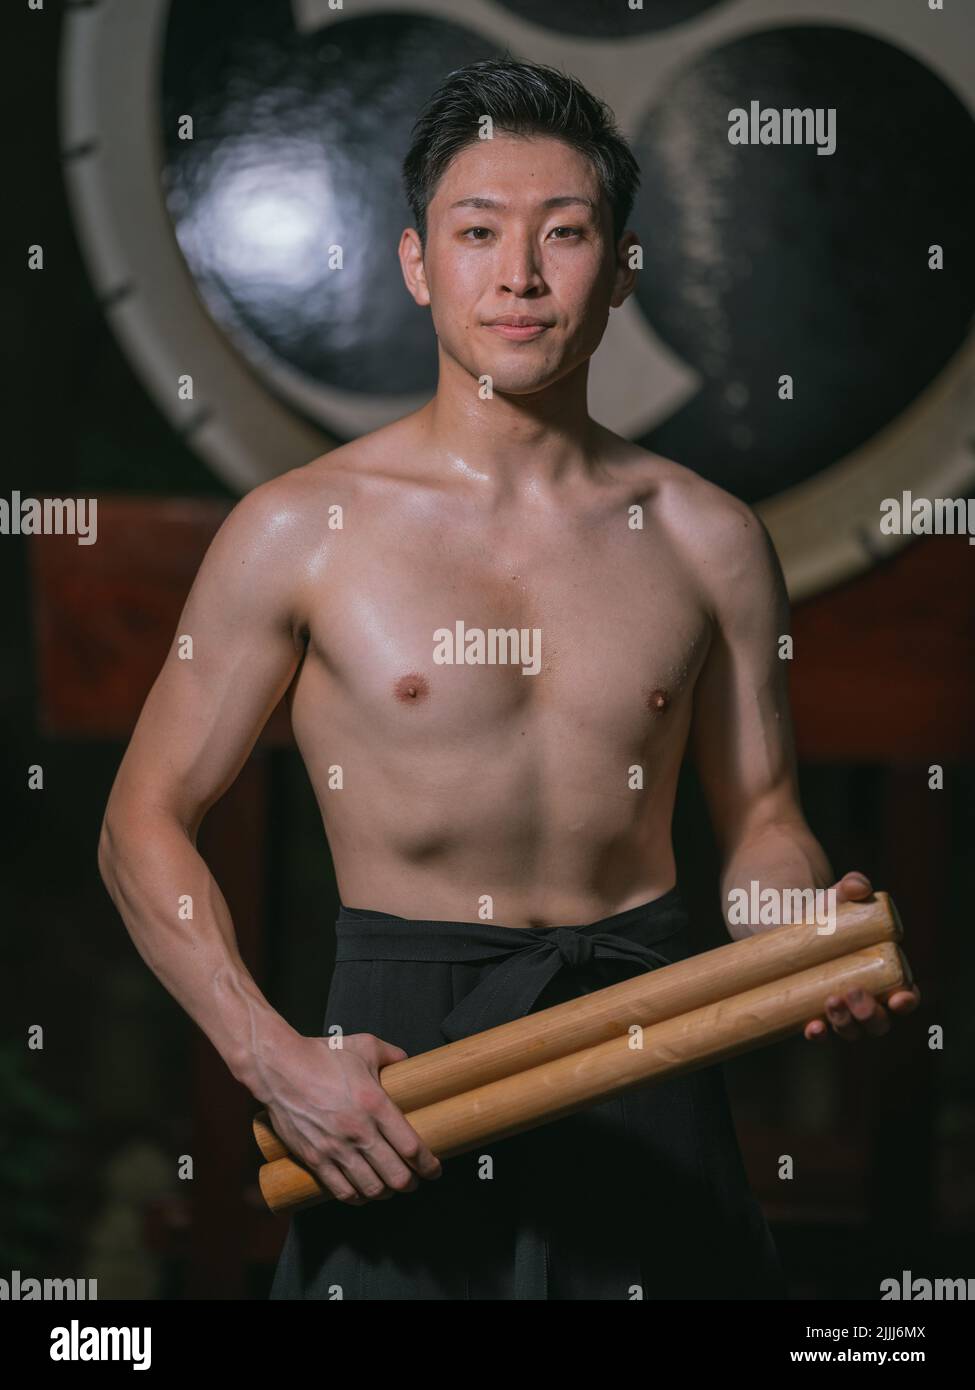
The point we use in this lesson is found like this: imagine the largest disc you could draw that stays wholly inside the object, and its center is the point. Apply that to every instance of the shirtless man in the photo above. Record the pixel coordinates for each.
(500, 504)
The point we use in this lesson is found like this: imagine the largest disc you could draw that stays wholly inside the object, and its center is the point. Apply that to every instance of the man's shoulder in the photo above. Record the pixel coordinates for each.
(709, 515)
(375, 465)
(702, 510)
(299, 499)
(724, 543)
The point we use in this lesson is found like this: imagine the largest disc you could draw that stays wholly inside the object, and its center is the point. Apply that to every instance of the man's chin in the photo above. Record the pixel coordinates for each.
(523, 388)
(526, 381)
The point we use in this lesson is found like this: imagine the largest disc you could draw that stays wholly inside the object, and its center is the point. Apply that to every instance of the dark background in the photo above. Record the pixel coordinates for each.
(93, 1125)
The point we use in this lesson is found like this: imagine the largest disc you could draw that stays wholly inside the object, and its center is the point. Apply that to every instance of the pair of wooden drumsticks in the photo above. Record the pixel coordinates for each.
(695, 1012)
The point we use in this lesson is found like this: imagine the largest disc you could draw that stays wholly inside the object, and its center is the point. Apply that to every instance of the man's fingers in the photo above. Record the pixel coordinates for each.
(860, 1013)
(853, 887)
(841, 1019)
(376, 1172)
(868, 1012)
(904, 1001)
(397, 1129)
(334, 1180)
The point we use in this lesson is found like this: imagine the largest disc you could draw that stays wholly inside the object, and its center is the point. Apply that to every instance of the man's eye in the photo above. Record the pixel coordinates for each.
(485, 230)
(573, 231)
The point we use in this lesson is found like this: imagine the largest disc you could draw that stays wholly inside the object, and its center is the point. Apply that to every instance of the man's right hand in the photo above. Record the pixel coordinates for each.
(328, 1107)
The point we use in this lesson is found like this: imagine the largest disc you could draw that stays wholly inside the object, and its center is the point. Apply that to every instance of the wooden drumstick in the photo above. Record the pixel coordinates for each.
(647, 998)
(716, 1031)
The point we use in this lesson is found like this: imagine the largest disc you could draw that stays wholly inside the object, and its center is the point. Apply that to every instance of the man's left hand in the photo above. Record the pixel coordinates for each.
(859, 1014)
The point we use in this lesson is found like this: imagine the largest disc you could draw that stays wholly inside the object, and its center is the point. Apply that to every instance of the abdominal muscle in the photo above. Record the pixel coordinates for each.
(521, 826)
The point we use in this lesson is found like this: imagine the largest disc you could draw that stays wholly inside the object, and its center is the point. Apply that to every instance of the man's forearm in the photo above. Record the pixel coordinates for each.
(181, 925)
(780, 856)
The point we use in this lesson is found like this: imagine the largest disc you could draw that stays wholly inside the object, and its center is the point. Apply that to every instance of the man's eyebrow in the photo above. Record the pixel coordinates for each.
(563, 201)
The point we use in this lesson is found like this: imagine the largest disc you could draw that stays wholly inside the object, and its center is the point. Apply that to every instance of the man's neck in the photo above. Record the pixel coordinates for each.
(536, 441)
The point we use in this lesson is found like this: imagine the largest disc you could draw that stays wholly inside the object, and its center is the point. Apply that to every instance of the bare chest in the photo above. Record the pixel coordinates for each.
(596, 635)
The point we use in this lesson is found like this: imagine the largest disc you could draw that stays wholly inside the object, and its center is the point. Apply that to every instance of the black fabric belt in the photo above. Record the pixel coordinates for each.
(528, 957)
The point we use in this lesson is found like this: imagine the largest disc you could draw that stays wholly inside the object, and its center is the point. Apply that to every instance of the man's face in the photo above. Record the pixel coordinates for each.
(518, 228)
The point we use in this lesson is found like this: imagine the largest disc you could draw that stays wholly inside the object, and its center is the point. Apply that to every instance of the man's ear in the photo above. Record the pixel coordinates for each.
(411, 262)
(627, 267)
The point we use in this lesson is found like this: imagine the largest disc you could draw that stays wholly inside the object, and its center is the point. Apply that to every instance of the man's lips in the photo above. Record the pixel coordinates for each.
(517, 328)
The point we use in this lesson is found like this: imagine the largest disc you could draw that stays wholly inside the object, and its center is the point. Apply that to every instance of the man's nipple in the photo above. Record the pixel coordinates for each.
(658, 701)
(411, 689)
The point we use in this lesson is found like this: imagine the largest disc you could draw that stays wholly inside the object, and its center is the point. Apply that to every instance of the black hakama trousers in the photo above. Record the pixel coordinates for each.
(644, 1196)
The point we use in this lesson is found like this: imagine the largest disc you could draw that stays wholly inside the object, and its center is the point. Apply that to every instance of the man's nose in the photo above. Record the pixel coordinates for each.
(519, 268)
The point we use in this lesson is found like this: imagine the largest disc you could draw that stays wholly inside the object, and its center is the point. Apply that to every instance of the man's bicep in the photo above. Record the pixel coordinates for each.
(232, 658)
(741, 735)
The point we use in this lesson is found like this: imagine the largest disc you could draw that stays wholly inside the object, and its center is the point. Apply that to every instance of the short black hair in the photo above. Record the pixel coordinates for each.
(521, 99)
